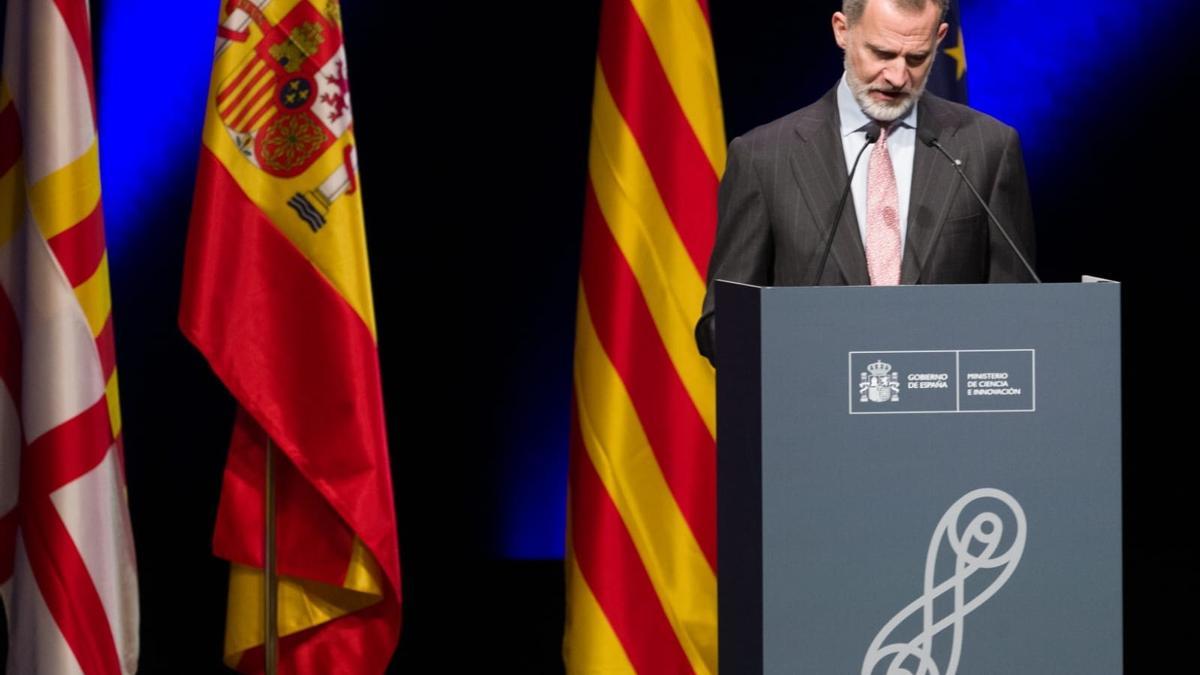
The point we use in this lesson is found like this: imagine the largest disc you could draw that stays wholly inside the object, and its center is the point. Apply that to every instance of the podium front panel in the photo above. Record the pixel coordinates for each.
(936, 474)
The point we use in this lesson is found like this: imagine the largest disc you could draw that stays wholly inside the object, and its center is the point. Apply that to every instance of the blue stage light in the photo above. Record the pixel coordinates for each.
(1039, 66)
(152, 75)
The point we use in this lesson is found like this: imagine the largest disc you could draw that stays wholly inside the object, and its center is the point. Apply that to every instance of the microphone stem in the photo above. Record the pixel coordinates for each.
(970, 186)
(841, 208)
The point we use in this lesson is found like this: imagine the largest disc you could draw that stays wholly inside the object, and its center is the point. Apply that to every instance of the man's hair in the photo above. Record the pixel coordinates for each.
(853, 9)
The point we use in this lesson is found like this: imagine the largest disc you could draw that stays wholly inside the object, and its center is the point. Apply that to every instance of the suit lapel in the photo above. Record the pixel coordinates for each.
(819, 166)
(929, 201)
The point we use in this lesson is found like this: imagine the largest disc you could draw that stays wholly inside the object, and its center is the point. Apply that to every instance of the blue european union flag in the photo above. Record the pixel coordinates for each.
(948, 78)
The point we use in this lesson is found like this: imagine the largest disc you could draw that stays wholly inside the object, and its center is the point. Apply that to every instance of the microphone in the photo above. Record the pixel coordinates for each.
(931, 140)
(872, 136)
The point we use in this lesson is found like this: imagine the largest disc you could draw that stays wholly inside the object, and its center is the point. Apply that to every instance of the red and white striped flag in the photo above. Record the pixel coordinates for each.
(642, 547)
(67, 571)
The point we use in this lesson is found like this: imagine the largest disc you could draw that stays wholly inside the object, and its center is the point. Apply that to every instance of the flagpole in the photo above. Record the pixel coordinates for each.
(271, 581)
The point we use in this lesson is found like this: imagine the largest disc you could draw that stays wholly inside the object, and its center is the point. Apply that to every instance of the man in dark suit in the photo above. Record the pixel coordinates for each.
(910, 220)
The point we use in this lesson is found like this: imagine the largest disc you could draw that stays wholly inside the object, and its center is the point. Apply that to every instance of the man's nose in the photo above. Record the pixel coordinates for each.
(896, 74)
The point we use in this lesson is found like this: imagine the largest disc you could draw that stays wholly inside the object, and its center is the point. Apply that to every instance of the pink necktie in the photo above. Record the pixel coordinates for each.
(883, 217)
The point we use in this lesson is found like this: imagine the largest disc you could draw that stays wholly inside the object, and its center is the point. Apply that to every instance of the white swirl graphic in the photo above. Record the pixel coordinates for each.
(984, 533)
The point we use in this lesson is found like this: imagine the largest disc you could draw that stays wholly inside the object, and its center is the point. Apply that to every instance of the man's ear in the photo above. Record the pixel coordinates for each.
(941, 32)
(841, 25)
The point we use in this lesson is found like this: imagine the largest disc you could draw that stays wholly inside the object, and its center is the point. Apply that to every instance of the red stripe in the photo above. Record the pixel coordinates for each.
(106, 347)
(54, 459)
(681, 441)
(80, 248)
(704, 9)
(75, 16)
(237, 79)
(10, 138)
(296, 356)
(67, 587)
(263, 75)
(234, 35)
(67, 451)
(251, 86)
(261, 111)
(682, 172)
(614, 572)
(8, 544)
(263, 94)
(10, 349)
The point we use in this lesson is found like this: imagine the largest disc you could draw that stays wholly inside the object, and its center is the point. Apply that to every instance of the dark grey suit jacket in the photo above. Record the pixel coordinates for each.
(782, 184)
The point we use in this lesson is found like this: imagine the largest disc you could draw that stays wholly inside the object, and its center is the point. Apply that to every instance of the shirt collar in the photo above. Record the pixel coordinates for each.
(853, 119)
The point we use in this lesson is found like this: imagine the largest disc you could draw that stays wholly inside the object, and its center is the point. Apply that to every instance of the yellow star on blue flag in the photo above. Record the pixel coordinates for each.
(948, 78)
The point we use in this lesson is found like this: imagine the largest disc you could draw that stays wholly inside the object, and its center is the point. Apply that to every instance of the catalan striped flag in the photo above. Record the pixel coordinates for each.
(277, 297)
(68, 580)
(641, 541)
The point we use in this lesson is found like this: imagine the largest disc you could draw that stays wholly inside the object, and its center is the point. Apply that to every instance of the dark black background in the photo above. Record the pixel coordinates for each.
(472, 122)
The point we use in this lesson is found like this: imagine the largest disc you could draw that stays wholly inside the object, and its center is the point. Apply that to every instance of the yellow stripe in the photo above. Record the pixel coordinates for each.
(114, 403)
(617, 446)
(243, 621)
(262, 102)
(590, 646)
(12, 201)
(276, 11)
(673, 290)
(363, 573)
(94, 297)
(302, 604)
(255, 98)
(251, 78)
(67, 196)
(258, 123)
(683, 42)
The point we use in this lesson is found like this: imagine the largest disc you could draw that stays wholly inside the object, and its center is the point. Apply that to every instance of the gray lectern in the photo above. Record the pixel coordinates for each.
(919, 479)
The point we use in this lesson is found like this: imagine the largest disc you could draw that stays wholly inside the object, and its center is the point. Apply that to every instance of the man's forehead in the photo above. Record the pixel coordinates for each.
(894, 39)
(893, 20)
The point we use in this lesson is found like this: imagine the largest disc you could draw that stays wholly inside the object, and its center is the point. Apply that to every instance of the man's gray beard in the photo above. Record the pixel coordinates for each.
(880, 112)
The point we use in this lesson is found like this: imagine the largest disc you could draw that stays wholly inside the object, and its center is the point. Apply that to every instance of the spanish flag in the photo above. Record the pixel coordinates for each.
(277, 297)
(641, 541)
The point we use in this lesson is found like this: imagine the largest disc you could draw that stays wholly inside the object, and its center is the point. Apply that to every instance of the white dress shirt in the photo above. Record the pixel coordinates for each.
(901, 144)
